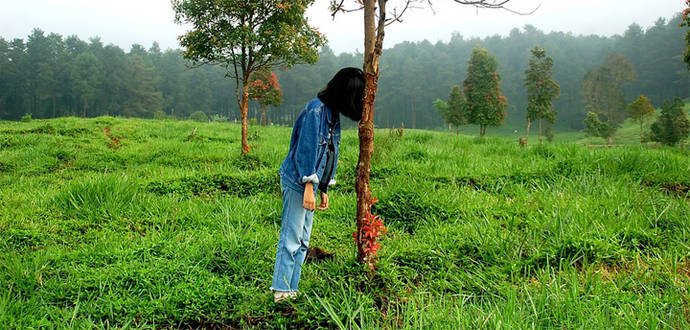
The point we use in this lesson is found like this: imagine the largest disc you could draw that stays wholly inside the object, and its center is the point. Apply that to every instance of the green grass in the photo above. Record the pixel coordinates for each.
(162, 228)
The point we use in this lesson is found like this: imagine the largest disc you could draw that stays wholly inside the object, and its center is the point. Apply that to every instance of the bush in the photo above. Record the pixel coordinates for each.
(673, 125)
(161, 115)
(199, 116)
(26, 118)
(219, 118)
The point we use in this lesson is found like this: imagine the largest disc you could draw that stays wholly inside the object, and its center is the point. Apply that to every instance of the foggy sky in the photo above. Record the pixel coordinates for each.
(125, 22)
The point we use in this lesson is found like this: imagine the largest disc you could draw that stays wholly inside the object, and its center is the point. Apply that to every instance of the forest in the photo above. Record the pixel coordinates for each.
(48, 75)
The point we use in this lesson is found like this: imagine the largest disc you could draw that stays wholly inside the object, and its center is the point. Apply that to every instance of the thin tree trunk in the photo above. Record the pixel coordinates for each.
(529, 124)
(640, 131)
(244, 113)
(539, 130)
(610, 140)
(457, 130)
(263, 115)
(373, 43)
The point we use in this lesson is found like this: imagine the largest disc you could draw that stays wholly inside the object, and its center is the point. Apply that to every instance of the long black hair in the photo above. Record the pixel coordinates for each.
(345, 92)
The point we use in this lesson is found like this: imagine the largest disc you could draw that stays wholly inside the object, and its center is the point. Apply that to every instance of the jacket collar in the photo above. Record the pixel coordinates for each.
(329, 116)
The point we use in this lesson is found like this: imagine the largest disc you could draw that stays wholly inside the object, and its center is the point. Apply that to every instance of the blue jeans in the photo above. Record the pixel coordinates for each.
(295, 230)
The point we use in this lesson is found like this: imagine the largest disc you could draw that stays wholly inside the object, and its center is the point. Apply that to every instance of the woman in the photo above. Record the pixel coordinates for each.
(310, 165)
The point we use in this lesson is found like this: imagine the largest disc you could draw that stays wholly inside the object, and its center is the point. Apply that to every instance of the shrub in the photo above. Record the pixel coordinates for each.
(673, 125)
(219, 118)
(161, 115)
(26, 118)
(199, 116)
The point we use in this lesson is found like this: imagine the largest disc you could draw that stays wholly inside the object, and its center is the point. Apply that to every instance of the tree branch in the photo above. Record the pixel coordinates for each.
(495, 4)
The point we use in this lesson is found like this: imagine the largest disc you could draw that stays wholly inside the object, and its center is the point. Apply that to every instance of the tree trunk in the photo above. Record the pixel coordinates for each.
(244, 113)
(640, 131)
(529, 124)
(373, 43)
(539, 130)
(610, 140)
(457, 130)
(263, 115)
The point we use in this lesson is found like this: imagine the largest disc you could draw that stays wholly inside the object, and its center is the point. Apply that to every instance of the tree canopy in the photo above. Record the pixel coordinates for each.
(409, 81)
(245, 36)
(486, 105)
(541, 89)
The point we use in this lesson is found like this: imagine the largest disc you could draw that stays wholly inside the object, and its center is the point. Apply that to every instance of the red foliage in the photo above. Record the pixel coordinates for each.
(264, 88)
(373, 228)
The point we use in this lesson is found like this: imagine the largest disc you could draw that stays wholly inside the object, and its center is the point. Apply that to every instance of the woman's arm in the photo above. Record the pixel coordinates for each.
(308, 201)
(307, 148)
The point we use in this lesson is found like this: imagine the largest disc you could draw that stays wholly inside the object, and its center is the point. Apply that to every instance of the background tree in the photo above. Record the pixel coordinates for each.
(686, 23)
(603, 90)
(672, 126)
(246, 36)
(541, 89)
(264, 88)
(85, 72)
(486, 106)
(442, 107)
(640, 110)
(142, 99)
(409, 82)
(453, 111)
(595, 127)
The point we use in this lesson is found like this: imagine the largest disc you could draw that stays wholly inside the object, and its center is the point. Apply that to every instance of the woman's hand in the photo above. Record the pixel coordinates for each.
(308, 202)
(324, 202)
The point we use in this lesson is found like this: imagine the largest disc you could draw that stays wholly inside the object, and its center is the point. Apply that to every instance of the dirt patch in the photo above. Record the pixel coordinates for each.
(114, 142)
(681, 189)
(684, 269)
(316, 254)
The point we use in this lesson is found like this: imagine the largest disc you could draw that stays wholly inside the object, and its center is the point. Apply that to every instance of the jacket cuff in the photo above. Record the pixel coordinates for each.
(312, 178)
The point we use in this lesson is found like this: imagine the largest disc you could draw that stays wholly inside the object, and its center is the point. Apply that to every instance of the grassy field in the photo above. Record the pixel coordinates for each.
(112, 222)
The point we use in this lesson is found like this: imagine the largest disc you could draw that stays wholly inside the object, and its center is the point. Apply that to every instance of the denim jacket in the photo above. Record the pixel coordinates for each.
(306, 158)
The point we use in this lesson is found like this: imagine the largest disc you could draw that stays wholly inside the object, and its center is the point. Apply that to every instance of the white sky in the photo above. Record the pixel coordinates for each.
(125, 22)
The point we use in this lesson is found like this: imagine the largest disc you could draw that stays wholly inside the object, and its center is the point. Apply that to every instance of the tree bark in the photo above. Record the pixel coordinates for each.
(244, 113)
(373, 43)
(529, 124)
(539, 130)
